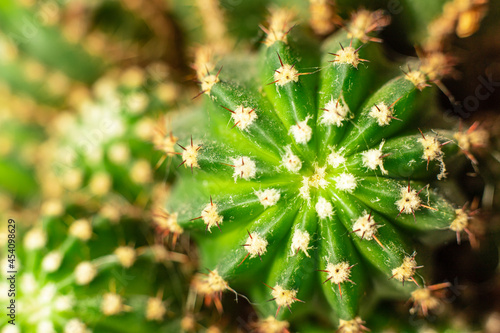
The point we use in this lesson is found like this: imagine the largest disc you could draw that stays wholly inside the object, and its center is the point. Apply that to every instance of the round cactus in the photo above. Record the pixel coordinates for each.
(91, 275)
(309, 171)
(105, 148)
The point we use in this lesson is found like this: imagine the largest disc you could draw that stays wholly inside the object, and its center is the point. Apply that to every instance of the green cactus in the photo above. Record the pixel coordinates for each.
(106, 148)
(305, 174)
(92, 274)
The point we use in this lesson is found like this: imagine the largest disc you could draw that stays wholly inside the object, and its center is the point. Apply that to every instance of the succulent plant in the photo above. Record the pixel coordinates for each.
(92, 274)
(308, 172)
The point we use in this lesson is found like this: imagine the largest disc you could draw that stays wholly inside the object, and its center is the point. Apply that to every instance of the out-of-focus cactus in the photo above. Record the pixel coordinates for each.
(92, 275)
(107, 146)
(309, 170)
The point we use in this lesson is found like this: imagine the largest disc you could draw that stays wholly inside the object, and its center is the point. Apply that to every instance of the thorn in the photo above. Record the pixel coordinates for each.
(418, 193)
(217, 75)
(394, 103)
(181, 146)
(439, 286)
(341, 46)
(227, 109)
(378, 241)
(199, 94)
(413, 279)
(160, 162)
(244, 258)
(182, 163)
(428, 207)
(218, 305)
(445, 143)
(327, 279)
(267, 285)
(421, 133)
(281, 62)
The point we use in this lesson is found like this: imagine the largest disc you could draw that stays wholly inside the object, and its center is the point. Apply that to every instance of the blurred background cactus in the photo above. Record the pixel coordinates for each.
(86, 131)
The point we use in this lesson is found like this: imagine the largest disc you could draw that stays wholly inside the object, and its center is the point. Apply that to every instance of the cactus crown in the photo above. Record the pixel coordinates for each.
(306, 169)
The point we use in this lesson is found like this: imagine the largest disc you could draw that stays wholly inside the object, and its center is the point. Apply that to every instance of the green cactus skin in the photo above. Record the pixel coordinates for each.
(314, 171)
(92, 275)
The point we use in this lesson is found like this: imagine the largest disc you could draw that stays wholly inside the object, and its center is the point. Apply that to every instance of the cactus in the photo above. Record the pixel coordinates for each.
(309, 171)
(105, 148)
(91, 274)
